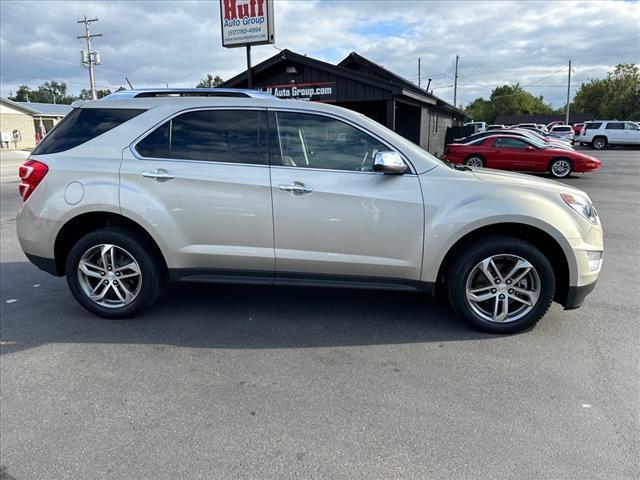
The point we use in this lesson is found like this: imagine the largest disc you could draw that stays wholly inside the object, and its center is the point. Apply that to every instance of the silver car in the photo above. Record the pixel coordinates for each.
(563, 131)
(143, 187)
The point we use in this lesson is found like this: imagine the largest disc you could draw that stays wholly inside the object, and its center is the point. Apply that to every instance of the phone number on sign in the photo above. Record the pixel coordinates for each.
(244, 31)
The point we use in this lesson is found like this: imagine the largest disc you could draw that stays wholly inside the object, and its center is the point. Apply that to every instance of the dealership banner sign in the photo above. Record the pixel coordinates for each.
(317, 92)
(246, 22)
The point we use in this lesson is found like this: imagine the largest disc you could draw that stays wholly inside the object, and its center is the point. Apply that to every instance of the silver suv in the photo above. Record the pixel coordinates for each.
(216, 185)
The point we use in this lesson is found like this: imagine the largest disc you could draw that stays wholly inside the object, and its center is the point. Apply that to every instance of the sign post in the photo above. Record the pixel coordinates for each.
(245, 23)
(249, 79)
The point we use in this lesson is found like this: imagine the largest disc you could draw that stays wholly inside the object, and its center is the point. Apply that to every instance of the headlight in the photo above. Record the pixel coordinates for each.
(583, 206)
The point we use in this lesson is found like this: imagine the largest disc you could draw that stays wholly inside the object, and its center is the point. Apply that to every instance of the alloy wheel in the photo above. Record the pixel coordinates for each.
(109, 276)
(474, 162)
(503, 288)
(561, 168)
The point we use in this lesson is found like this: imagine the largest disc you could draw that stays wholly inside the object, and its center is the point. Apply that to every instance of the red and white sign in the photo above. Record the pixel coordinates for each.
(246, 22)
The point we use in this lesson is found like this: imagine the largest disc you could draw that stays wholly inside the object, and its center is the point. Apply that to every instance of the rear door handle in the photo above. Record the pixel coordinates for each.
(295, 187)
(159, 174)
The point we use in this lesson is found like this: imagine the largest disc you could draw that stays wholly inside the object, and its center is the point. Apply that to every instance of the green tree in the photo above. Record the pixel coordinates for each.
(54, 92)
(23, 94)
(480, 110)
(615, 96)
(210, 81)
(507, 100)
(48, 92)
(86, 94)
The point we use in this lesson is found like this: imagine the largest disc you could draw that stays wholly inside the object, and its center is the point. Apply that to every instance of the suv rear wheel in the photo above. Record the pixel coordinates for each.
(113, 273)
(599, 143)
(501, 285)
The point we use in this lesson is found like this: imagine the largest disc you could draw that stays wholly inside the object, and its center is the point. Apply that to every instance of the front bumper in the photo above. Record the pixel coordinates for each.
(576, 296)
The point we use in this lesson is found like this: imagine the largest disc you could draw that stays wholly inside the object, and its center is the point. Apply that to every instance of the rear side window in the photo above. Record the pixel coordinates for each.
(510, 143)
(230, 136)
(615, 126)
(592, 126)
(82, 125)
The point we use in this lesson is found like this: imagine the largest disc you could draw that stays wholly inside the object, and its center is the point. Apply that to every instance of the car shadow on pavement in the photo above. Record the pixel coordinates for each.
(224, 316)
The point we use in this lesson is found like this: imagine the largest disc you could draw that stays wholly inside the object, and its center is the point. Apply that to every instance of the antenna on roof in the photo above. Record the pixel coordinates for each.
(130, 86)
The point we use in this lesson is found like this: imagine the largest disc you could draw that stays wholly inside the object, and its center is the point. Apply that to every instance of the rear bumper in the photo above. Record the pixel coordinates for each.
(46, 264)
(576, 295)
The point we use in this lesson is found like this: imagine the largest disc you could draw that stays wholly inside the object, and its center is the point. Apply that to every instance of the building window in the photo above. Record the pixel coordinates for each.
(435, 123)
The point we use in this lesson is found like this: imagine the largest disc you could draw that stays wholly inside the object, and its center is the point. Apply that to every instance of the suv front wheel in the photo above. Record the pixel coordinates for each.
(501, 285)
(113, 273)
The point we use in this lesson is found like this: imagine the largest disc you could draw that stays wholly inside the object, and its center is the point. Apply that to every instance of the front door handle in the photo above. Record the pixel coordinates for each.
(159, 174)
(295, 187)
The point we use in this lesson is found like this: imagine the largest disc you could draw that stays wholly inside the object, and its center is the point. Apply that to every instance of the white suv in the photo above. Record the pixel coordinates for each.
(220, 185)
(601, 133)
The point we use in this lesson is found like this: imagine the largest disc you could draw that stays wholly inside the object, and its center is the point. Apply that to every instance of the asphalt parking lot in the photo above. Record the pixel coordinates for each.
(264, 383)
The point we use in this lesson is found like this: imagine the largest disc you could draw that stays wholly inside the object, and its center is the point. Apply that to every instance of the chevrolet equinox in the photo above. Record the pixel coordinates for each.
(222, 185)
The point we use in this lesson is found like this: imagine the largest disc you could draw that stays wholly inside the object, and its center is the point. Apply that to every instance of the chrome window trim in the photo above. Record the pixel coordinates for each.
(333, 116)
(142, 136)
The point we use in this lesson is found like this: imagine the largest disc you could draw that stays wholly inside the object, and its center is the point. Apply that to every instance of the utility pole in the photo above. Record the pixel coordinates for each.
(89, 57)
(419, 71)
(455, 84)
(566, 116)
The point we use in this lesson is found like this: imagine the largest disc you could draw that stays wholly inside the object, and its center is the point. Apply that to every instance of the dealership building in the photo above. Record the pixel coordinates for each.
(361, 85)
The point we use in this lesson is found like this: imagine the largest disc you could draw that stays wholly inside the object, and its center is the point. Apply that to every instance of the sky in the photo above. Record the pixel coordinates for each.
(175, 43)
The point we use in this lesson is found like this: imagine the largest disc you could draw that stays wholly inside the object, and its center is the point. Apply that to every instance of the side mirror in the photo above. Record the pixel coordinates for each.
(389, 162)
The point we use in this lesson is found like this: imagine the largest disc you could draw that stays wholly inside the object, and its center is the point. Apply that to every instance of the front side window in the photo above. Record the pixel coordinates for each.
(314, 141)
(631, 126)
(510, 143)
(231, 136)
(615, 126)
(82, 125)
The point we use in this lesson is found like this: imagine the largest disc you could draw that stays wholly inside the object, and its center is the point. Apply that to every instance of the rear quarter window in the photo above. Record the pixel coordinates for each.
(592, 126)
(82, 125)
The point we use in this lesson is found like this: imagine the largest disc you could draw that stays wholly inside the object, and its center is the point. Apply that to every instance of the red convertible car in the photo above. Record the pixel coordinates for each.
(509, 152)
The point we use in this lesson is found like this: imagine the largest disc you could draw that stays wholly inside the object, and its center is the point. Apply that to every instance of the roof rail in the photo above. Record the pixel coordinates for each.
(187, 92)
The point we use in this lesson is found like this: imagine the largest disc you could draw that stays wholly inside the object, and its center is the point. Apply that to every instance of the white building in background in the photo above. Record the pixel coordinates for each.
(22, 123)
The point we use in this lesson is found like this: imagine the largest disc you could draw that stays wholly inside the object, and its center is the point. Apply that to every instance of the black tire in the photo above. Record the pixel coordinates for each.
(474, 161)
(153, 279)
(599, 143)
(556, 170)
(465, 262)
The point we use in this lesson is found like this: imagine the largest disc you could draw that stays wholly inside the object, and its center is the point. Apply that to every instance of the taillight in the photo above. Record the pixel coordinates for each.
(31, 174)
